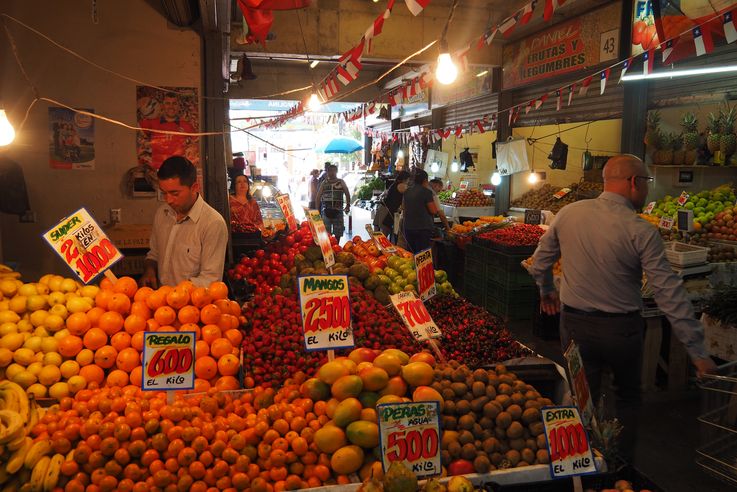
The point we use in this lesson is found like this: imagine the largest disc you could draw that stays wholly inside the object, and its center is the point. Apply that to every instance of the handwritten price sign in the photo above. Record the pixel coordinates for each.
(286, 208)
(381, 241)
(326, 312)
(580, 383)
(322, 237)
(168, 360)
(683, 198)
(568, 443)
(666, 222)
(649, 209)
(425, 274)
(415, 316)
(82, 244)
(410, 433)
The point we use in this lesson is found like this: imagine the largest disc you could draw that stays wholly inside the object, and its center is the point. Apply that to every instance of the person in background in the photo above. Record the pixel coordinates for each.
(324, 174)
(245, 214)
(314, 185)
(419, 210)
(436, 185)
(330, 196)
(189, 237)
(600, 298)
(389, 204)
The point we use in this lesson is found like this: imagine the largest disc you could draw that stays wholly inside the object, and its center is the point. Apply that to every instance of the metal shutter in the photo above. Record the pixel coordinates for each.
(470, 110)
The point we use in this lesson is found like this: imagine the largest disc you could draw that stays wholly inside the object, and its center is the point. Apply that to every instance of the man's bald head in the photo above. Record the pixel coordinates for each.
(623, 175)
(622, 167)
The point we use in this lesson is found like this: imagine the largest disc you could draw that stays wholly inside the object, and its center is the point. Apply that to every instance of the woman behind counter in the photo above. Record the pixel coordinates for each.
(245, 214)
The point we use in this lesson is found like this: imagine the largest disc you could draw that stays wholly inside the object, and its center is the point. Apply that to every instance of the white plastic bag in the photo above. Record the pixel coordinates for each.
(511, 156)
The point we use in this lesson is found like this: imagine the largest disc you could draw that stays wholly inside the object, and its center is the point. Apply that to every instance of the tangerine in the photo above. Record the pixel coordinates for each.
(201, 349)
(142, 293)
(235, 336)
(210, 333)
(78, 323)
(210, 314)
(134, 323)
(165, 315)
(105, 356)
(92, 374)
(178, 298)
(125, 285)
(228, 365)
(218, 290)
(188, 314)
(205, 367)
(128, 359)
(111, 322)
(119, 303)
(220, 347)
(94, 338)
(70, 346)
(137, 341)
(120, 341)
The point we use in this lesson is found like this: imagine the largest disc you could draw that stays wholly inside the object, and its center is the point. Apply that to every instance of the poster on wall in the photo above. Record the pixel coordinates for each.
(644, 32)
(72, 139)
(564, 48)
(695, 27)
(175, 109)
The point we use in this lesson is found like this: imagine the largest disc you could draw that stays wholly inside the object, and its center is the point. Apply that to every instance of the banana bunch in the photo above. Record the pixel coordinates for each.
(7, 273)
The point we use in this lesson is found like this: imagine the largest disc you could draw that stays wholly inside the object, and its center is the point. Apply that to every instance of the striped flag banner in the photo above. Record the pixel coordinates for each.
(730, 32)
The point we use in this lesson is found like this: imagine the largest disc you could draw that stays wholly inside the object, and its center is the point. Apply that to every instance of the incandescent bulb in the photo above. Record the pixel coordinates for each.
(400, 154)
(454, 166)
(266, 192)
(314, 103)
(435, 167)
(7, 133)
(496, 179)
(533, 178)
(446, 71)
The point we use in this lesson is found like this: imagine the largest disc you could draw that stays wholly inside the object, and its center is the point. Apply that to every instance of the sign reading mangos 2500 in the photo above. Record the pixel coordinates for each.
(564, 48)
(326, 312)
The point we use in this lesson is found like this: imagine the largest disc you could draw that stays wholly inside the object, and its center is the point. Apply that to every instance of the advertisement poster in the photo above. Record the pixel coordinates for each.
(644, 32)
(72, 138)
(568, 444)
(564, 48)
(173, 110)
(410, 433)
(83, 245)
(168, 360)
(675, 20)
(466, 87)
(326, 312)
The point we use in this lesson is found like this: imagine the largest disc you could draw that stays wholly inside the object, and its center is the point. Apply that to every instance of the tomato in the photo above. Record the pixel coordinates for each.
(638, 29)
(260, 253)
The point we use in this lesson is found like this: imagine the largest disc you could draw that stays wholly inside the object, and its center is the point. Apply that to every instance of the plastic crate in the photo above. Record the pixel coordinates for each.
(476, 252)
(474, 267)
(474, 288)
(683, 255)
(512, 304)
(507, 270)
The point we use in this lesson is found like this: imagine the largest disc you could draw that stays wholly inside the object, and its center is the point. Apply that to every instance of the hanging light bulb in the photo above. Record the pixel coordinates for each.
(400, 154)
(314, 103)
(454, 166)
(7, 133)
(496, 179)
(266, 191)
(446, 71)
(533, 178)
(435, 167)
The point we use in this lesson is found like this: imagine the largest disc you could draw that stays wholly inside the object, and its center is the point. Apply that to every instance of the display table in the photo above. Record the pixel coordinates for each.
(455, 213)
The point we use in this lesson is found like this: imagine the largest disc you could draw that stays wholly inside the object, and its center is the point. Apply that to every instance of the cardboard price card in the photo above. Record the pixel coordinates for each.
(580, 383)
(560, 194)
(533, 216)
(286, 208)
(666, 222)
(168, 360)
(410, 433)
(463, 186)
(425, 274)
(415, 316)
(82, 244)
(568, 444)
(326, 312)
(381, 241)
(649, 209)
(322, 237)
(683, 198)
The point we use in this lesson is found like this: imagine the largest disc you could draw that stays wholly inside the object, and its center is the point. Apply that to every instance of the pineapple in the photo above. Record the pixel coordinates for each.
(714, 126)
(652, 135)
(728, 141)
(690, 137)
(664, 152)
(679, 155)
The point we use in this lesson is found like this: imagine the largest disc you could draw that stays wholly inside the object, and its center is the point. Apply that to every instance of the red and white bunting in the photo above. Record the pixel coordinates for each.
(480, 126)
(625, 66)
(702, 40)
(585, 86)
(558, 100)
(515, 114)
(604, 78)
(541, 101)
(648, 60)
(730, 30)
(459, 131)
(571, 90)
(416, 6)
(550, 7)
(508, 26)
(667, 49)
(486, 38)
(527, 12)
(529, 106)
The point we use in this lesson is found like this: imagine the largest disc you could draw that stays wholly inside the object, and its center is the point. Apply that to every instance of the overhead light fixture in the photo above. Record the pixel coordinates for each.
(434, 167)
(533, 178)
(454, 165)
(681, 73)
(481, 74)
(313, 104)
(7, 133)
(314, 63)
(266, 191)
(446, 72)
(496, 179)
(400, 154)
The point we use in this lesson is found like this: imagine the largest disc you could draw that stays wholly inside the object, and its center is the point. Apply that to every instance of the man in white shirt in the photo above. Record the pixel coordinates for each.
(189, 237)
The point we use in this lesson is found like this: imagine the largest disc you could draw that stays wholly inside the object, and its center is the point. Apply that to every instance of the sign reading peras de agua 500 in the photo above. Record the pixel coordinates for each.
(410, 433)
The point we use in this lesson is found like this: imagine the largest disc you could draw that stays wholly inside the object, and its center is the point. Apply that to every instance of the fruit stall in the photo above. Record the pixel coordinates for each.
(465, 204)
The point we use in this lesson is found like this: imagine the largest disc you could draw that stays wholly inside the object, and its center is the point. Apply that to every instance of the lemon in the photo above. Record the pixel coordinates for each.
(56, 298)
(49, 345)
(24, 356)
(25, 326)
(9, 317)
(37, 390)
(35, 368)
(49, 375)
(18, 304)
(6, 357)
(38, 317)
(8, 327)
(41, 331)
(42, 289)
(78, 305)
(60, 310)
(13, 369)
(53, 322)
(76, 383)
(8, 288)
(39, 357)
(12, 341)
(68, 285)
(27, 290)
(85, 357)
(55, 283)
(24, 379)
(33, 343)
(52, 359)
(4, 305)
(45, 279)
(89, 291)
(59, 390)
(68, 368)
(61, 334)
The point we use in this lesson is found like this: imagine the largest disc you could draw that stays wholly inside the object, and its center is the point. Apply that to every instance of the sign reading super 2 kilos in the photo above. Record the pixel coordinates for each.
(326, 312)
(168, 360)
(410, 433)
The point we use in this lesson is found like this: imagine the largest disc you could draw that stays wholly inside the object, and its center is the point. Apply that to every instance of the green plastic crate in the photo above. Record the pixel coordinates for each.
(474, 288)
(513, 304)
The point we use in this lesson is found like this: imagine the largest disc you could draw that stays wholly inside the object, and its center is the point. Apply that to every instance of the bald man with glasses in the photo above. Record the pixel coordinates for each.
(605, 248)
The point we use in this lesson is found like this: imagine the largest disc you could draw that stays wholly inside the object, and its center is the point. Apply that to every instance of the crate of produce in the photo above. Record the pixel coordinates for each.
(683, 255)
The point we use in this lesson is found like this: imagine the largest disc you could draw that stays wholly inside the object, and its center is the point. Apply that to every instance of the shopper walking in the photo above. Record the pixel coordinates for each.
(330, 194)
(389, 204)
(419, 210)
(313, 186)
(606, 247)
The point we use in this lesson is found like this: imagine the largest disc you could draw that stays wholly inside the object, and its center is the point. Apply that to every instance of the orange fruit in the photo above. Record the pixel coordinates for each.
(136, 376)
(227, 383)
(111, 322)
(200, 297)
(201, 349)
(92, 374)
(195, 328)
(134, 323)
(235, 336)
(137, 341)
(156, 299)
(220, 347)
(70, 346)
(85, 356)
(117, 377)
(166, 328)
(95, 338)
(205, 367)
(228, 365)
(128, 359)
(210, 333)
(165, 315)
(120, 341)
(141, 309)
(78, 323)
(218, 290)
(105, 356)
(125, 285)
(201, 385)
(152, 325)
(120, 303)
(210, 314)
(177, 298)
(94, 315)
(103, 297)
(106, 284)
(188, 314)
(142, 293)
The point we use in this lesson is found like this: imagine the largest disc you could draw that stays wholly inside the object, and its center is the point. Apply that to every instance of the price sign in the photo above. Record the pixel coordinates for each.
(463, 186)
(82, 244)
(286, 208)
(168, 360)
(580, 383)
(560, 194)
(381, 241)
(683, 198)
(322, 238)
(533, 217)
(415, 316)
(410, 433)
(326, 312)
(666, 222)
(425, 274)
(649, 209)
(568, 444)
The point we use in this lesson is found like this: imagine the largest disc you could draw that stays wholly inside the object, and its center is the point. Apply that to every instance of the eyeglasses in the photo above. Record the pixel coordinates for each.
(649, 179)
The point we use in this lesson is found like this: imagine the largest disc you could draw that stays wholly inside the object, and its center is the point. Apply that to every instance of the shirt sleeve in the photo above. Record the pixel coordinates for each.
(669, 292)
(214, 243)
(545, 256)
(153, 243)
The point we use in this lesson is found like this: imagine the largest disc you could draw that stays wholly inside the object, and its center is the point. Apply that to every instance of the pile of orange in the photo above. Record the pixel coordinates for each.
(107, 340)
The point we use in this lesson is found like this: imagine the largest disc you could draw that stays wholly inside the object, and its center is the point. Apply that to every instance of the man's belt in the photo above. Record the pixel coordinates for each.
(596, 313)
